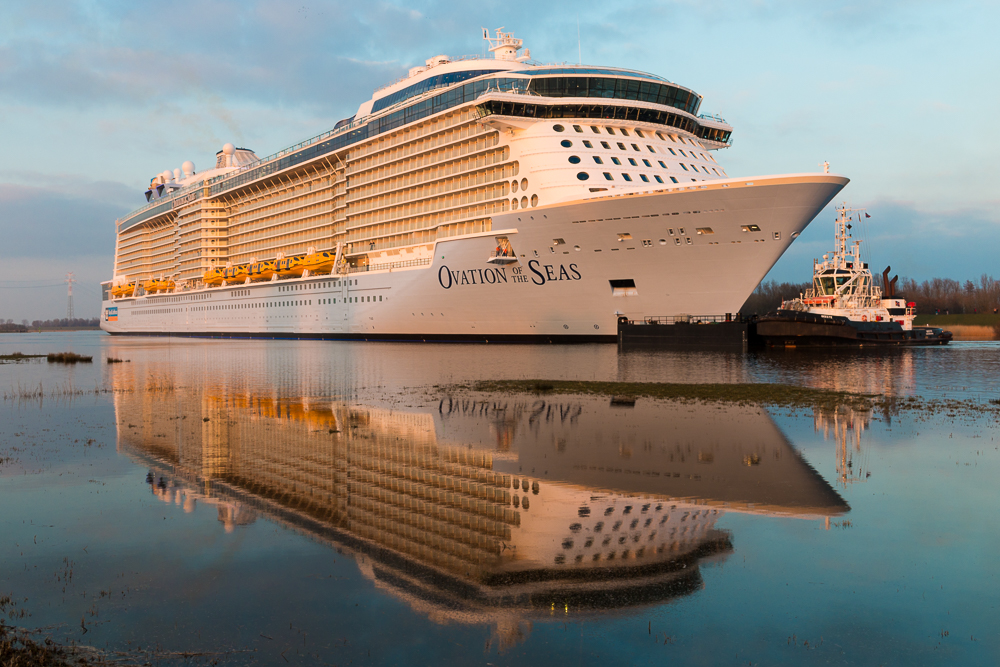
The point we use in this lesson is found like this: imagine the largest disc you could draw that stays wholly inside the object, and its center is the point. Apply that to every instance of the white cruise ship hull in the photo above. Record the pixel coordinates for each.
(697, 250)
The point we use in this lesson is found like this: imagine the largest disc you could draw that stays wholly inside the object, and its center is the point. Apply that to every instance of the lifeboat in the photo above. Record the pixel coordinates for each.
(236, 274)
(317, 262)
(161, 285)
(214, 276)
(125, 289)
(262, 270)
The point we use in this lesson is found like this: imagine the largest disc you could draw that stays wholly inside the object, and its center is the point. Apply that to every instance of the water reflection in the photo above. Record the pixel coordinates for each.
(846, 426)
(492, 510)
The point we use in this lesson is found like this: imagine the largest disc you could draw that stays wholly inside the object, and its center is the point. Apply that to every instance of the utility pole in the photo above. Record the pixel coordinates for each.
(69, 295)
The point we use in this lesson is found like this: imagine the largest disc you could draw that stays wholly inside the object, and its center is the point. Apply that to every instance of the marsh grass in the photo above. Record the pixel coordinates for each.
(68, 358)
(18, 356)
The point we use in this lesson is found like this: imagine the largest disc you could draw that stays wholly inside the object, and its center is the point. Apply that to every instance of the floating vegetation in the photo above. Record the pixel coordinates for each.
(781, 395)
(68, 358)
(18, 356)
(115, 360)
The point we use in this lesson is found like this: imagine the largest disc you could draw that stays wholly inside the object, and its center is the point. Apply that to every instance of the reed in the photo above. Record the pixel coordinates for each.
(68, 358)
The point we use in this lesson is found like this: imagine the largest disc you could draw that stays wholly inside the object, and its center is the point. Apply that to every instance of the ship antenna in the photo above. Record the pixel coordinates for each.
(579, 46)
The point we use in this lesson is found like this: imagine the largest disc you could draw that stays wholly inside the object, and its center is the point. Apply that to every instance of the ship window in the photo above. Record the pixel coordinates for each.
(634, 147)
(646, 162)
(586, 142)
(610, 130)
(578, 128)
(534, 200)
(683, 153)
(662, 164)
(558, 128)
(670, 232)
(605, 144)
(625, 237)
(608, 176)
(644, 178)
(705, 169)
(623, 288)
(683, 166)
(651, 150)
(598, 159)
(621, 146)
(672, 152)
(566, 143)
(623, 131)
(595, 129)
(582, 176)
(639, 134)
(574, 159)
(750, 228)
(658, 179)
(777, 236)
(704, 230)
(616, 160)
(673, 179)
(627, 177)
(632, 162)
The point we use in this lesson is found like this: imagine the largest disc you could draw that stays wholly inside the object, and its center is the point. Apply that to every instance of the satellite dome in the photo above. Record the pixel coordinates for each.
(229, 149)
(188, 167)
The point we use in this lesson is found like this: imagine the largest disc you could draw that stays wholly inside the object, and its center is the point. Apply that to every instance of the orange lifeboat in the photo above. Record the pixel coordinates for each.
(317, 262)
(125, 289)
(161, 285)
(262, 270)
(214, 276)
(236, 274)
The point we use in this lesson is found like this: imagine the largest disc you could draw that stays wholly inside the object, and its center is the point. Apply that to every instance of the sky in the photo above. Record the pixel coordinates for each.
(96, 97)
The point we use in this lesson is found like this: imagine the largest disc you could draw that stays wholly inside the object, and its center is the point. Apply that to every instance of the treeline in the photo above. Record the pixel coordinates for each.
(769, 295)
(936, 296)
(9, 325)
(943, 295)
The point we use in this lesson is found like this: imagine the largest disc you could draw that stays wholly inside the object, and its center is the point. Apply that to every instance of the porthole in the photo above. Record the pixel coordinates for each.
(534, 200)
(524, 184)
(566, 143)
(583, 176)
(574, 159)
(558, 128)
(524, 202)
(513, 186)
(513, 204)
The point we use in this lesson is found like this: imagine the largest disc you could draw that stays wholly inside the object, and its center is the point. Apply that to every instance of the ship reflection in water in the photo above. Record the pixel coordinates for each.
(496, 510)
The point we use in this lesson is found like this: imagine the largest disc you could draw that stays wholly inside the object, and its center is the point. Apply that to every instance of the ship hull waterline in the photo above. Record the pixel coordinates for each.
(686, 252)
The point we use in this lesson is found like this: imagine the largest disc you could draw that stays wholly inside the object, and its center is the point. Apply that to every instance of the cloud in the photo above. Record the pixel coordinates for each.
(919, 244)
(60, 223)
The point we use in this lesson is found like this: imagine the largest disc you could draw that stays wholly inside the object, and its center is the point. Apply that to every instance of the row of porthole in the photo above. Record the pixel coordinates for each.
(513, 185)
(523, 202)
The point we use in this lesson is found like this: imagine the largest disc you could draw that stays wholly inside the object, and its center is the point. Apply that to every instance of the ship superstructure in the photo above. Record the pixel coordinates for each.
(481, 198)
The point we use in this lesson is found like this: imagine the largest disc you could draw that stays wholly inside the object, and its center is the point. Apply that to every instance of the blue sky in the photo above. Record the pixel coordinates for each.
(97, 97)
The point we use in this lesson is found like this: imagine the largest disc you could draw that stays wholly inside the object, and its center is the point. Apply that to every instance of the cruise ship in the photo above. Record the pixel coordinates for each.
(478, 198)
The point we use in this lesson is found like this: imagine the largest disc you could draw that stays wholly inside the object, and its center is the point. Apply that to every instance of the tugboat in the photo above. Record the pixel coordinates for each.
(845, 306)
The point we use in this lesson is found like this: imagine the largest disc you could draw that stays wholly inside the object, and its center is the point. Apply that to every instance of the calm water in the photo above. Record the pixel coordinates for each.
(340, 503)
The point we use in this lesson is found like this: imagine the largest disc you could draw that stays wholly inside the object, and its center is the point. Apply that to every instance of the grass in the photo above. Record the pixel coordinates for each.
(68, 358)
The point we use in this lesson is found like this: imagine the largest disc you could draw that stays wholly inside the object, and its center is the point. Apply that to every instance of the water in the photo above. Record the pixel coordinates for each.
(349, 503)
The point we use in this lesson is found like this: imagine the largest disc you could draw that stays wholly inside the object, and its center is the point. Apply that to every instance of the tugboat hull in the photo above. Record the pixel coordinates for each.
(789, 328)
